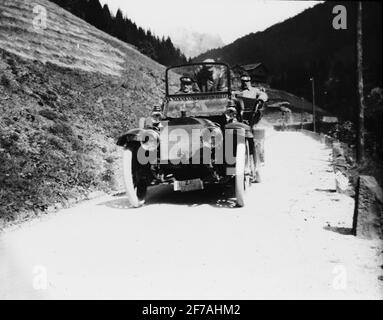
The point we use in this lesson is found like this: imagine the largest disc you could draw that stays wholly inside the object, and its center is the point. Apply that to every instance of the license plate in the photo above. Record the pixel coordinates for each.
(188, 185)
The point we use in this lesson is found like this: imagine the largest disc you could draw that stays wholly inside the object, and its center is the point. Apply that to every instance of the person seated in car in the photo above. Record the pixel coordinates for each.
(187, 86)
(209, 77)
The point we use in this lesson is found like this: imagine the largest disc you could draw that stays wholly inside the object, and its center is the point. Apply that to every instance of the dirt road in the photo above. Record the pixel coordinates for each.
(292, 240)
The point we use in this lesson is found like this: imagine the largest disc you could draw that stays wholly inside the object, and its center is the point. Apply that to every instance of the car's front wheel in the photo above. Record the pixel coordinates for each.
(134, 186)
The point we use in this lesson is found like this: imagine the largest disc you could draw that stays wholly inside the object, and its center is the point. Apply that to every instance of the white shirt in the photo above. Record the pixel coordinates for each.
(253, 93)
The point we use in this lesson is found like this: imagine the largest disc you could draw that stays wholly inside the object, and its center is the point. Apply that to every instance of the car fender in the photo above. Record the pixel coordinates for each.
(133, 135)
(241, 127)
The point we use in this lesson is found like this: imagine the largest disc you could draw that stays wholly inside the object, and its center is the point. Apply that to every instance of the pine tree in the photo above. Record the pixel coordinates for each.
(107, 19)
(124, 29)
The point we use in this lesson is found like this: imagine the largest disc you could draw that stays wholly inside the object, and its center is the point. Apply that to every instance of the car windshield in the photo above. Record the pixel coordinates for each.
(196, 106)
(201, 78)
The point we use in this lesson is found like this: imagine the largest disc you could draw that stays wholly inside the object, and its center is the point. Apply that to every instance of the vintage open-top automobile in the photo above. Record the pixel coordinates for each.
(195, 138)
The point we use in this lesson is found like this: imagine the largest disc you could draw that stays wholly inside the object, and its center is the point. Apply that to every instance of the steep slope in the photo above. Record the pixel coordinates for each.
(276, 96)
(66, 93)
(67, 40)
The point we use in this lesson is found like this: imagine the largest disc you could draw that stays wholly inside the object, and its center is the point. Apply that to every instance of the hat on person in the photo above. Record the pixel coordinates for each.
(209, 66)
(245, 77)
(231, 106)
(186, 80)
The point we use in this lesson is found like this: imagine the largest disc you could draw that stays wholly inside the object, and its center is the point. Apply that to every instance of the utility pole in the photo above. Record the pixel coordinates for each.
(313, 92)
(359, 48)
(302, 108)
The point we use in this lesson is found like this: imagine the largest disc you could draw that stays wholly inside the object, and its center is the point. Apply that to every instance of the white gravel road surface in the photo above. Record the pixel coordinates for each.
(292, 240)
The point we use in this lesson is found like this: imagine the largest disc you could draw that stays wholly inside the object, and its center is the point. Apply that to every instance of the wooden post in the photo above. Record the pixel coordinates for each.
(359, 48)
(302, 108)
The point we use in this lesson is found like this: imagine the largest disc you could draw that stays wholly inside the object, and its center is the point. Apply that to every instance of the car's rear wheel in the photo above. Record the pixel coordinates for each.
(134, 186)
(242, 170)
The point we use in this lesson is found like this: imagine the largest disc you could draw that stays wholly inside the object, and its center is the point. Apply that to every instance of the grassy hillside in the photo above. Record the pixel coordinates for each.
(66, 93)
(297, 104)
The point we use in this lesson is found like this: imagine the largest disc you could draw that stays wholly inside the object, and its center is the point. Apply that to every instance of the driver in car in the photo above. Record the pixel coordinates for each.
(257, 94)
(248, 91)
(187, 86)
(209, 78)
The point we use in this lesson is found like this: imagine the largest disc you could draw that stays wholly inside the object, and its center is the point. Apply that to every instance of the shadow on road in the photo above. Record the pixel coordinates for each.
(214, 195)
(340, 230)
(120, 203)
(326, 190)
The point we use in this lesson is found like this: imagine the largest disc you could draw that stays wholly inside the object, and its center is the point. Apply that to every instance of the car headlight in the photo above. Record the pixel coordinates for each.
(149, 140)
(156, 117)
(231, 113)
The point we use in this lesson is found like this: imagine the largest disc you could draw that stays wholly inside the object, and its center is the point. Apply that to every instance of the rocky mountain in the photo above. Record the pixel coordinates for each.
(193, 43)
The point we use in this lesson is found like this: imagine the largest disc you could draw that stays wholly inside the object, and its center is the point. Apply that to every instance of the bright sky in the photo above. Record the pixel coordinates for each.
(230, 19)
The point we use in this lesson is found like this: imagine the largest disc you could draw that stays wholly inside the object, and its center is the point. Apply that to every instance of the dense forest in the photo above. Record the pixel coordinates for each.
(161, 50)
(308, 46)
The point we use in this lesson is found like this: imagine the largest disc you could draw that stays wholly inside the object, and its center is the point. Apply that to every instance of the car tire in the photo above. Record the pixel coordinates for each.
(241, 178)
(135, 190)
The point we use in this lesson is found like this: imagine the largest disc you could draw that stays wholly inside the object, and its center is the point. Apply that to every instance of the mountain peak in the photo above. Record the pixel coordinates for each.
(193, 43)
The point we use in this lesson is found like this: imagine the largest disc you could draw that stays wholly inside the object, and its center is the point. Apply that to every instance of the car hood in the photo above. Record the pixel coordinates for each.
(181, 137)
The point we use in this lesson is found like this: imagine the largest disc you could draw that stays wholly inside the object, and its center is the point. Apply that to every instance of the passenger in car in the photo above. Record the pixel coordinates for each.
(187, 85)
